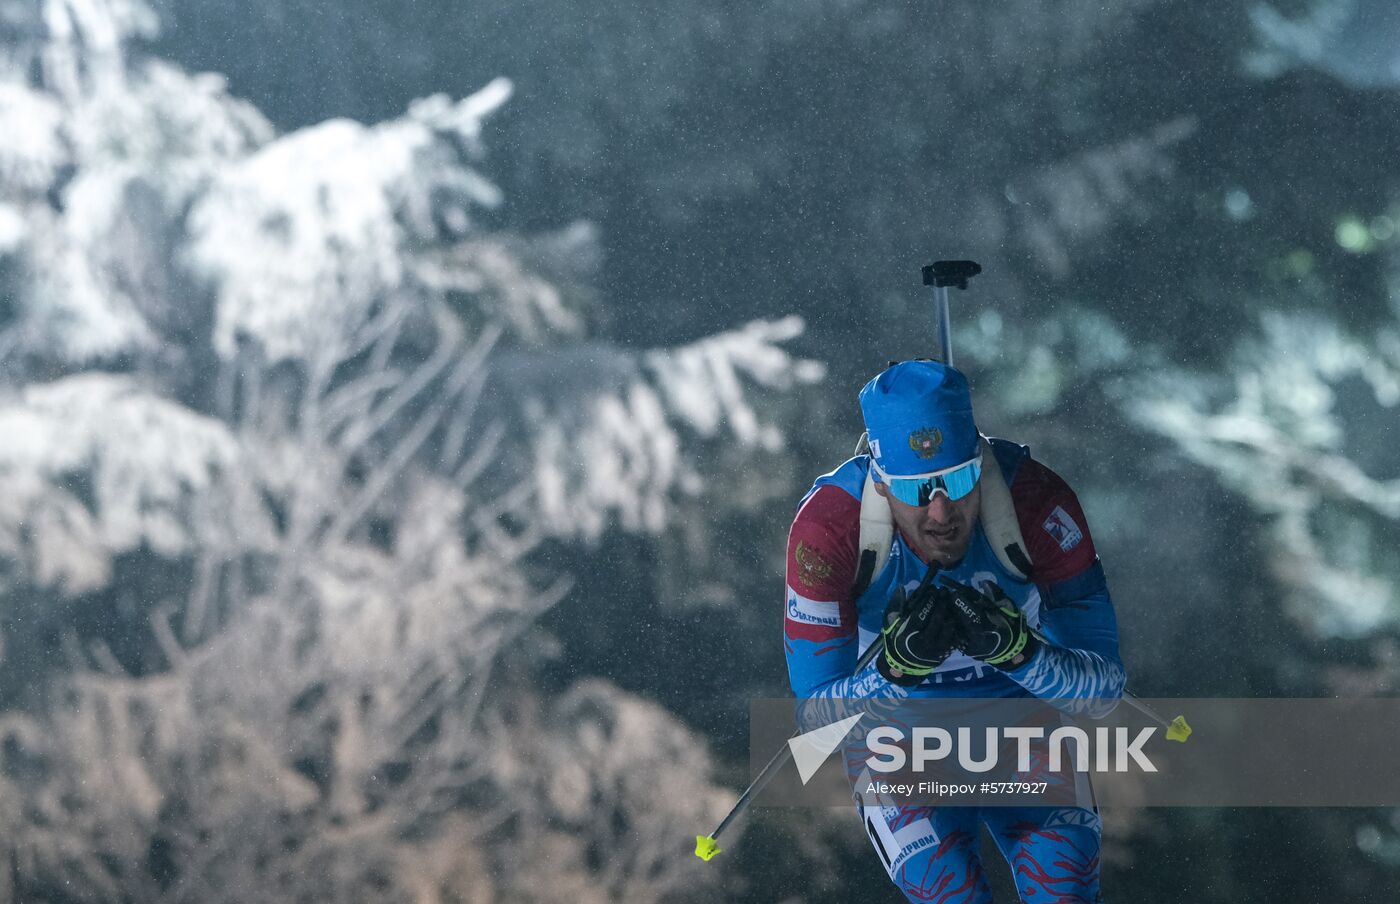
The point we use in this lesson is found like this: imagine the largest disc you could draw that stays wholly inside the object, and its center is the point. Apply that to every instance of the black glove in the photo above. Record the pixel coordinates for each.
(920, 632)
(990, 627)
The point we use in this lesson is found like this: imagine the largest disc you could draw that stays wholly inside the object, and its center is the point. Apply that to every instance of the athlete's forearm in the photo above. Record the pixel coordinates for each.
(1077, 668)
(866, 691)
(1074, 681)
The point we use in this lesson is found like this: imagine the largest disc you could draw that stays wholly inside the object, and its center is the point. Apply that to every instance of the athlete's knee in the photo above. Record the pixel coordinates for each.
(948, 872)
(931, 854)
(1057, 864)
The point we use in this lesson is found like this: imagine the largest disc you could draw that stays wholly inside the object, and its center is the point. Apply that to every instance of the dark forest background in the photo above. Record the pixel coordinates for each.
(1187, 216)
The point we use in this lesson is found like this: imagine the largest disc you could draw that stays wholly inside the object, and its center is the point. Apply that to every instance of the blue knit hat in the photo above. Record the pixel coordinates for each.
(919, 417)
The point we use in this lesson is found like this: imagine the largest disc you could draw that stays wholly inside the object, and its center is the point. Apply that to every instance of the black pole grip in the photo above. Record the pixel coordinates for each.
(950, 273)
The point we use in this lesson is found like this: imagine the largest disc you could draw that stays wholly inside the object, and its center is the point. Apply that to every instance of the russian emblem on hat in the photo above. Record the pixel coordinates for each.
(926, 442)
(918, 415)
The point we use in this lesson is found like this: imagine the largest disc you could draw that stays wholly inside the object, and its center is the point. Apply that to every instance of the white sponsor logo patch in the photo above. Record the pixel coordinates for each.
(812, 612)
(1061, 527)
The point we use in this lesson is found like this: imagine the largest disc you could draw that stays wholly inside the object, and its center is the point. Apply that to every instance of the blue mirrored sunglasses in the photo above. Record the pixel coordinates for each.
(954, 482)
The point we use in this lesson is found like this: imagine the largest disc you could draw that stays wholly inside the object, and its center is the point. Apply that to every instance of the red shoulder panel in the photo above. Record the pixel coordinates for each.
(821, 566)
(1052, 523)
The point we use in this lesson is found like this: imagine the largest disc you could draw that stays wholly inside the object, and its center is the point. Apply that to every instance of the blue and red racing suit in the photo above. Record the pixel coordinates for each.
(931, 853)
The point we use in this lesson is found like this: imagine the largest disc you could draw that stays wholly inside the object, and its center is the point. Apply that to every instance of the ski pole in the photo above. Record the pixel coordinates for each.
(1177, 728)
(707, 846)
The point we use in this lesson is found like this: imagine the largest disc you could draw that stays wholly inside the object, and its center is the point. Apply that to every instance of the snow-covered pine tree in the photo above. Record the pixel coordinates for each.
(1300, 424)
(289, 410)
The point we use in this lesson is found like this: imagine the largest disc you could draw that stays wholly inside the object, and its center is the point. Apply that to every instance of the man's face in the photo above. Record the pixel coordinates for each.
(941, 530)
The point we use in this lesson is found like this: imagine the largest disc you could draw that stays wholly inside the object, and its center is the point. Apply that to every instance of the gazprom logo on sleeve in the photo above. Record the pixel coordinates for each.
(812, 612)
